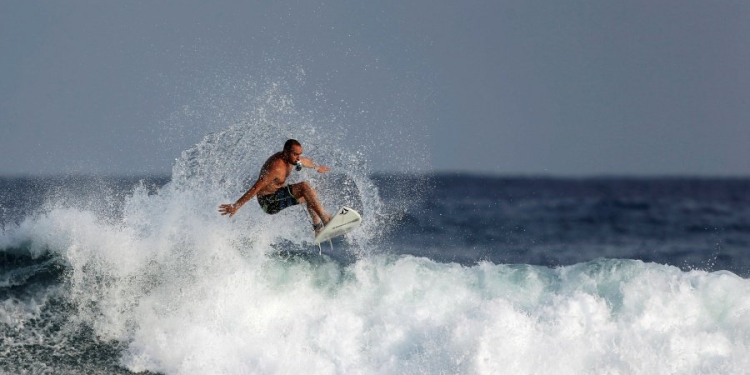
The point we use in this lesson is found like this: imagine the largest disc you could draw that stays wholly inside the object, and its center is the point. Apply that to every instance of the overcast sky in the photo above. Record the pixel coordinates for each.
(575, 87)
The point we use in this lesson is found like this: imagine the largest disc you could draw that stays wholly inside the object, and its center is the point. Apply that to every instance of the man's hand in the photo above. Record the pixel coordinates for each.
(228, 209)
(323, 169)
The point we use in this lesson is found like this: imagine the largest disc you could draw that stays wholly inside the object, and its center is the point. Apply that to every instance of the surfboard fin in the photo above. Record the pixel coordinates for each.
(320, 248)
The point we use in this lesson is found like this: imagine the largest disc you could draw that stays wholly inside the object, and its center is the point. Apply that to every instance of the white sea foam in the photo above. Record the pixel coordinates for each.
(210, 302)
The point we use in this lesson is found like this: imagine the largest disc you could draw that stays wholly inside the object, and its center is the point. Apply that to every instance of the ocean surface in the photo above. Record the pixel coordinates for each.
(448, 274)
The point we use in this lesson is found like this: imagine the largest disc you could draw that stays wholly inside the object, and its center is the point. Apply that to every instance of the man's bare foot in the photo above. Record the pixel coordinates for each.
(318, 227)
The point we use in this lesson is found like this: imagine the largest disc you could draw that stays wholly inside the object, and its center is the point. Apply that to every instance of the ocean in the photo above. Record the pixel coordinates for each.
(448, 274)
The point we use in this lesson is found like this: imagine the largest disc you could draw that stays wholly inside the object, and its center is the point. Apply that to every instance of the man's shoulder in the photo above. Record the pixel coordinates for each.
(276, 163)
(276, 159)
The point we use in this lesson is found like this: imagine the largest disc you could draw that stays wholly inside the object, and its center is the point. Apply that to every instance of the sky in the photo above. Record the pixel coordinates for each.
(519, 87)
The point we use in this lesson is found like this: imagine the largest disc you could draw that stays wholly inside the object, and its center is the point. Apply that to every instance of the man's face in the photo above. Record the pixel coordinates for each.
(293, 155)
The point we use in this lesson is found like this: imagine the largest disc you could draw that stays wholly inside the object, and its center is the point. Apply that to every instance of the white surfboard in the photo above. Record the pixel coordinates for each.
(345, 221)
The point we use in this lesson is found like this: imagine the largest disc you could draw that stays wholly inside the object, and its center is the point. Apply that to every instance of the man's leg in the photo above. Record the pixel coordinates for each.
(306, 194)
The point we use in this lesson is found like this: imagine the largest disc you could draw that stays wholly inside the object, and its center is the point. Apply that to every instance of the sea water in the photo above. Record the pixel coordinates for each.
(448, 274)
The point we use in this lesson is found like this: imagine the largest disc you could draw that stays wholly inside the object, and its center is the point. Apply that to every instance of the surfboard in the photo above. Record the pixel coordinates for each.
(345, 221)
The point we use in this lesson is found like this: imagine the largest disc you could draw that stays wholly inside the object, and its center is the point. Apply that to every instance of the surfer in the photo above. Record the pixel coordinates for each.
(275, 195)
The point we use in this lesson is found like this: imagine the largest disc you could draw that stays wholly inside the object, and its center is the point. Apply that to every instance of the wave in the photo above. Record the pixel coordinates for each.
(229, 310)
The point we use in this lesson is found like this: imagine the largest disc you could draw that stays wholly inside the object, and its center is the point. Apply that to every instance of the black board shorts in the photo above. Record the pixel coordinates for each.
(281, 199)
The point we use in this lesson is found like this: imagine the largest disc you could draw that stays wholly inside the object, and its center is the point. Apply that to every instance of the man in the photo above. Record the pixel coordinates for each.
(275, 195)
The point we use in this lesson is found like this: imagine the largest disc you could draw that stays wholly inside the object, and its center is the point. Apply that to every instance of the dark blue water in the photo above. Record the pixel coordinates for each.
(687, 222)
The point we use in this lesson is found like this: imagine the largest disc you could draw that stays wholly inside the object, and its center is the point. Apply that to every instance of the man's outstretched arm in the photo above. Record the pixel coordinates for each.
(308, 163)
(231, 209)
